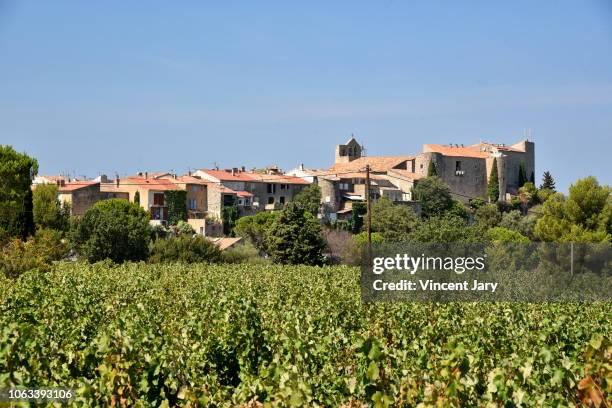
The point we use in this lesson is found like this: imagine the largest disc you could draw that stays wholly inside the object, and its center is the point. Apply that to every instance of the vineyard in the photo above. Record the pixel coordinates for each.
(178, 335)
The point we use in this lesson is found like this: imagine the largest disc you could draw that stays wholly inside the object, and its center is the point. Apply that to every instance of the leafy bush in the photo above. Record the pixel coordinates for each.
(184, 249)
(113, 229)
(244, 253)
(184, 228)
(39, 252)
(504, 235)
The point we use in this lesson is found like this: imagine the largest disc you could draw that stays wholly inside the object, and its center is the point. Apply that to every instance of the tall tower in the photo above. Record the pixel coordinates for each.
(348, 152)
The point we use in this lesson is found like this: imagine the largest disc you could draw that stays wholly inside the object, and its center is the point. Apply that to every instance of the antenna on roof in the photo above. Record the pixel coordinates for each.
(216, 165)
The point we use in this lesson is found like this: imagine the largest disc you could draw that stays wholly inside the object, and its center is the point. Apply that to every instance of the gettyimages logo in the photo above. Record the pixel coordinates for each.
(411, 264)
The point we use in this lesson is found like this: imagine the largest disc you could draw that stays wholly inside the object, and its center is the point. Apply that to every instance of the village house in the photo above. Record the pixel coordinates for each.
(250, 191)
(79, 195)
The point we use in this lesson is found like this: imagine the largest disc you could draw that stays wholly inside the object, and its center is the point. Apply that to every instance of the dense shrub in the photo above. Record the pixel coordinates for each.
(40, 251)
(184, 248)
(434, 195)
(112, 229)
(243, 253)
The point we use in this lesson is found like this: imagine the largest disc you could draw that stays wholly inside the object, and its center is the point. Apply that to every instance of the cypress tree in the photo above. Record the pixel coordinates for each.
(431, 169)
(493, 187)
(548, 181)
(522, 177)
(137, 197)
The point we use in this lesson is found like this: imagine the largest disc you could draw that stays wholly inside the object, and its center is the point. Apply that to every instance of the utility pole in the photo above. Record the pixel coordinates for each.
(369, 208)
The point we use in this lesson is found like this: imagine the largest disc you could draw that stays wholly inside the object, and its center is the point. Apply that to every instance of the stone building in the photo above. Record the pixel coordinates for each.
(80, 195)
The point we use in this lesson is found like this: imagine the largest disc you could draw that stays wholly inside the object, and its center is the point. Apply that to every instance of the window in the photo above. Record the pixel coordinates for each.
(240, 201)
(344, 186)
(192, 204)
(421, 165)
(195, 189)
(284, 186)
(158, 199)
(282, 200)
(271, 188)
(270, 200)
(458, 165)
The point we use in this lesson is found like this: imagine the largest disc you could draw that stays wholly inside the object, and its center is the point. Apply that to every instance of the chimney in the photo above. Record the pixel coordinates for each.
(233, 171)
(189, 173)
(117, 182)
(302, 166)
(146, 174)
(243, 169)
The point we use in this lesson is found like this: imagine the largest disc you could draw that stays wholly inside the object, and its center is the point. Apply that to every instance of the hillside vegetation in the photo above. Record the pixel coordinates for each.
(226, 335)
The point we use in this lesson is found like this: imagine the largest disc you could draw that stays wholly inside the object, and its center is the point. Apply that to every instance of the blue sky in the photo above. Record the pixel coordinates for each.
(105, 87)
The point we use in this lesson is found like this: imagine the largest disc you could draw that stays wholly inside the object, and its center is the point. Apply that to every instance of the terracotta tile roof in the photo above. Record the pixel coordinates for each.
(149, 183)
(223, 175)
(76, 185)
(226, 242)
(185, 180)
(276, 178)
(469, 151)
(360, 174)
(377, 163)
(112, 188)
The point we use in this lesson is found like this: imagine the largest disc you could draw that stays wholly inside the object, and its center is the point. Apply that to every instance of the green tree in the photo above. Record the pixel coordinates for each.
(548, 182)
(254, 228)
(584, 216)
(309, 199)
(515, 221)
(431, 169)
(185, 249)
(488, 215)
(48, 212)
(295, 237)
(493, 186)
(394, 222)
(112, 229)
(137, 197)
(528, 194)
(16, 173)
(522, 176)
(434, 195)
(447, 229)
(176, 200)
(504, 235)
(358, 212)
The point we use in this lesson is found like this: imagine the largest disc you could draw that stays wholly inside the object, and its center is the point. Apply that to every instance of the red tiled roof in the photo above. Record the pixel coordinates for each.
(223, 175)
(377, 163)
(276, 178)
(185, 180)
(243, 194)
(76, 185)
(470, 151)
(149, 183)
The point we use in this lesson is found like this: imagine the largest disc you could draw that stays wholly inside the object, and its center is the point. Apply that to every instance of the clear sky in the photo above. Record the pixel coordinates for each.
(115, 86)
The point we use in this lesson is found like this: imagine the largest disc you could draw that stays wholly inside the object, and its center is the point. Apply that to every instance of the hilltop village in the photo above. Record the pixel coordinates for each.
(465, 169)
